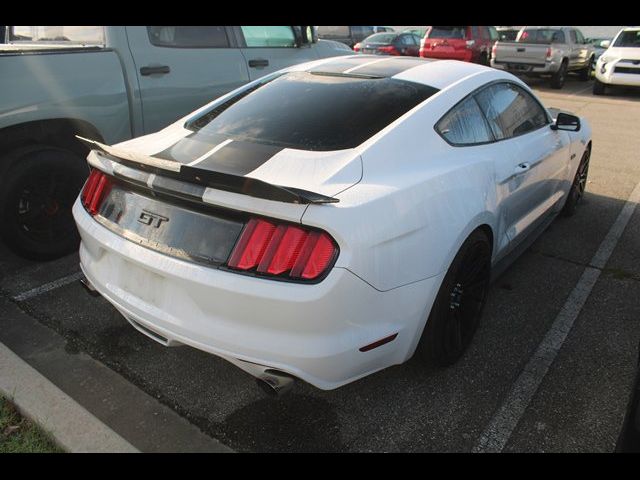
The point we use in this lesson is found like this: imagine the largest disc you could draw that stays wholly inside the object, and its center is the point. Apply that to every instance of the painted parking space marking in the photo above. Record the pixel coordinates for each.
(47, 287)
(501, 426)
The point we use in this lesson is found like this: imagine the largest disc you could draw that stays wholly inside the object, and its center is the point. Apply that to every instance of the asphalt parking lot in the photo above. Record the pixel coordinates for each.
(578, 405)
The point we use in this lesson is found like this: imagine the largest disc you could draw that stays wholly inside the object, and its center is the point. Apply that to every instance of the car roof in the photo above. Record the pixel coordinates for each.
(435, 73)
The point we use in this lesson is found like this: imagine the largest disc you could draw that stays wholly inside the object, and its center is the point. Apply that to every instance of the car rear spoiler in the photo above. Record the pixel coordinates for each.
(209, 178)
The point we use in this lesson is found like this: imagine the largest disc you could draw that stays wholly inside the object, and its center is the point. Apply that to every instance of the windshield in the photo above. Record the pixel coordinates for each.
(313, 111)
(630, 38)
(446, 32)
(381, 38)
(542, 36)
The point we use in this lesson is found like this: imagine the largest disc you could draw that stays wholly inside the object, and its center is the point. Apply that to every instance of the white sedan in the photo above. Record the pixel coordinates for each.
(620, 63)
(331, 219)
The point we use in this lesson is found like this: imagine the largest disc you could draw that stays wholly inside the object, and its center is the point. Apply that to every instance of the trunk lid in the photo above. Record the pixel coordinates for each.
(518, 53)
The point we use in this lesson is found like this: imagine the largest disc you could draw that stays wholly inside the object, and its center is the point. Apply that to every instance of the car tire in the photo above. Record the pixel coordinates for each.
(457, 309)
(578, 186)
(39, 186)
(559, 77)
(484, 59)
(585, 74)
(598, 87)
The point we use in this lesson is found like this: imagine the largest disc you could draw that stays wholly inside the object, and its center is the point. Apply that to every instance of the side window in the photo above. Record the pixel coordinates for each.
(474, 32)
(464, 125)
(269, 36)
(188, 37)
(580, 37)
(406, 40)
(493, 33)
(573, 36)
(510, 110)
(73, 34)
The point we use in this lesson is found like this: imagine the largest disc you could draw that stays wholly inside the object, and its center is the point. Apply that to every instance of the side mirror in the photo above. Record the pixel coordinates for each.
(605, 43)
(566, 121)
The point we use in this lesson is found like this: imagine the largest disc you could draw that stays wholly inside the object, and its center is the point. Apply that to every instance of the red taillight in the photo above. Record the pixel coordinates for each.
(95, 190)
(389, 50)
(548, 52)
(356, 47)
(282, 249)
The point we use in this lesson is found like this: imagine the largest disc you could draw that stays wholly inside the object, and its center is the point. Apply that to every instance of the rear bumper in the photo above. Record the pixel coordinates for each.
(527, 68)
(313, 332)
(463, 55)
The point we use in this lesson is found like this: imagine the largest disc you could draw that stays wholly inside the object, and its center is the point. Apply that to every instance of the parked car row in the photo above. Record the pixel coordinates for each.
(532, 51)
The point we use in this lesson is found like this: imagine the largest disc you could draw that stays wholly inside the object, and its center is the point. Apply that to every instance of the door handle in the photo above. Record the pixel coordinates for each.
(522, 167)
(258, 63)
(162, 69)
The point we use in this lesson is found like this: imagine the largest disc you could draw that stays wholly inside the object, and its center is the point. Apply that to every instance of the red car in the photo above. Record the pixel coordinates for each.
(470, 44)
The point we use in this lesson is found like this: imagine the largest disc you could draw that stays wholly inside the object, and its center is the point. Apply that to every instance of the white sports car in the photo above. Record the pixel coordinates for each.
(331, 219)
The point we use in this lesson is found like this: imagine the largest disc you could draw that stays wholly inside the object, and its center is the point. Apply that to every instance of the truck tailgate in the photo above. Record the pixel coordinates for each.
(520, 53)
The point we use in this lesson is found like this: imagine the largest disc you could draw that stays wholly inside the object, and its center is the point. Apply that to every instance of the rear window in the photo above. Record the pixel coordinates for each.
(381, 38)
(311, 111)
(447, 32)
(543, 36)
(188, 36)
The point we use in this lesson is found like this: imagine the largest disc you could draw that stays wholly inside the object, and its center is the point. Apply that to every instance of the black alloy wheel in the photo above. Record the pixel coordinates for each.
(558, 78)
(578, 186)
(458, 307)
(39, 190)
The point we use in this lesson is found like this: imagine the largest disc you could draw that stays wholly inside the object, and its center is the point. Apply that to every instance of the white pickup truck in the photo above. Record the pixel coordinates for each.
(546, 51)
(111, 84)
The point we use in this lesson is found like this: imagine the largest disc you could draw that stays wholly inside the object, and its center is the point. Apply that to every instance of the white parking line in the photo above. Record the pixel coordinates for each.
(34, 292)
(580, 91)
(504, 422)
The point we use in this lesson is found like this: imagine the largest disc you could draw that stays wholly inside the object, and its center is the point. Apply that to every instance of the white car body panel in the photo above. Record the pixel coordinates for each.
(407, 202)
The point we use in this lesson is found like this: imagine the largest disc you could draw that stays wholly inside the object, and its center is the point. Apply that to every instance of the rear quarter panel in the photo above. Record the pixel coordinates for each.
(417, 202)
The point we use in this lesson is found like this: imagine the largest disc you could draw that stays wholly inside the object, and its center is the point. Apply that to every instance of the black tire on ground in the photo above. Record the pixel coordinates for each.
(558, 78)
(458, 306)
(578, 186)
(484, 59)
(38, 188)
(598, 87)
(585, 74)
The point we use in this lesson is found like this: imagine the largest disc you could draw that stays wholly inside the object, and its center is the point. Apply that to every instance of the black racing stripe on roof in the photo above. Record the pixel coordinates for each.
(235, 158)
(391, 67)
(191, 147)
(239, 157)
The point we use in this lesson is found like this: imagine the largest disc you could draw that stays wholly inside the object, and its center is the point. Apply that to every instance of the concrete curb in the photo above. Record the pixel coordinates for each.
(71, 426)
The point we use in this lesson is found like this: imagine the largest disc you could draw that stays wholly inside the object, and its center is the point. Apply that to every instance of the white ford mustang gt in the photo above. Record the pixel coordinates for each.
(331, 219)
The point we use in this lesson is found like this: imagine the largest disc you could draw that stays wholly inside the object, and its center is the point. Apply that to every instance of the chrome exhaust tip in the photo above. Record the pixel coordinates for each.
(88, 286)
(275, 383)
